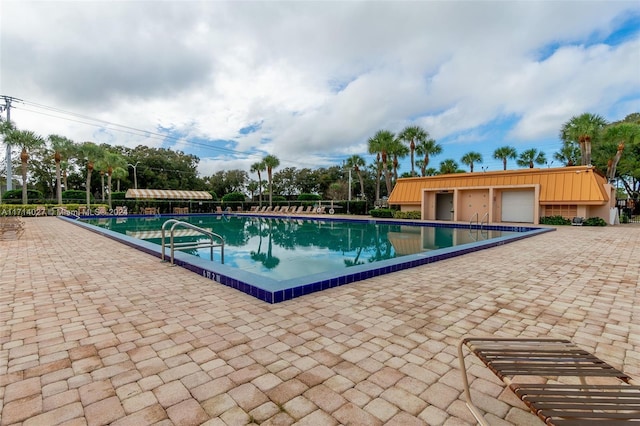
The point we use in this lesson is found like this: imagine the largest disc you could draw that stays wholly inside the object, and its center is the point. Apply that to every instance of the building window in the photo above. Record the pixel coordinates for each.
(565, 210)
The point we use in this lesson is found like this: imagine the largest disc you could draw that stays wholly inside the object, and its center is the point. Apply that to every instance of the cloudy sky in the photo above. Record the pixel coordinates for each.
(312, 81)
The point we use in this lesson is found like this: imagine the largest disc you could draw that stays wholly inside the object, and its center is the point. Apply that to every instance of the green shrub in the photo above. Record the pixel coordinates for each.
(76, 196)
(554, 220)
(381, 213)
(14, 196)
(308, 197)
(408, 215)
(233, 197)
(277, 198)
(118, 195)
(594, 221)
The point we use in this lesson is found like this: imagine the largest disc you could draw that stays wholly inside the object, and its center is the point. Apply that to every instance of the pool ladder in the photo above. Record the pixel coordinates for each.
(479, 224)
(211, 244)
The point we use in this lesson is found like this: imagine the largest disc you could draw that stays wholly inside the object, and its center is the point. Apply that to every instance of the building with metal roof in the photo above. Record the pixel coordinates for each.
(522, 195)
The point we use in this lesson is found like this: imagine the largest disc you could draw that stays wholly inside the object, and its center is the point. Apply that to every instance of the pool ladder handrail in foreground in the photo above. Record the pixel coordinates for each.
(481, 223)
(190, 245)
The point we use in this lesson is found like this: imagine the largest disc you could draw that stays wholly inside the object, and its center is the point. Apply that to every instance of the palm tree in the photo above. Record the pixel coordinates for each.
(471, 157)
(118, 174)
(381, 143)
(448, 166)
(413, 134)
(617, 136)
(583, 129)
(397, 150)
(355, 162)
(503, 153)
(7, 127)
(27, 140)
(252, 187)
(530, 156)
(427, 148)
(270, 162)
(62, 148)
(377, 167)
(111, 161)
(257, 168)
(91, 153)
(568, 154)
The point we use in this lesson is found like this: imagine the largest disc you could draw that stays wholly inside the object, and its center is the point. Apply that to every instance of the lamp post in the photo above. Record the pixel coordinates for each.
(135, 174)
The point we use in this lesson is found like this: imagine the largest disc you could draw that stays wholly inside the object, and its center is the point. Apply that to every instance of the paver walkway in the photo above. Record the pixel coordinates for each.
(94, 332)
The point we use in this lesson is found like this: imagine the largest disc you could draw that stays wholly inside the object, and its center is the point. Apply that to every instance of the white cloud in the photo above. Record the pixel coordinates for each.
(314, 79)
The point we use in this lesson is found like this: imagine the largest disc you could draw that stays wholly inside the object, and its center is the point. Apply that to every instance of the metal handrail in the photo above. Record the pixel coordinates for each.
(190, 245)
(486, 215)
(471, 220)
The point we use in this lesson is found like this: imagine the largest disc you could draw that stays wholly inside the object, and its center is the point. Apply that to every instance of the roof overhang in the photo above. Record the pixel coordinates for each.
(168, 194)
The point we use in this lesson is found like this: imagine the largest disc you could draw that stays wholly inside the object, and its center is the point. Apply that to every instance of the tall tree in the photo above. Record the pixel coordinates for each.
(7, 127)
(470, 158)
(118, 174)
(356, 163)
(504, 153)
(112, 161)
(413, 135)
(397, 150)
(271, 162)
(258, 168)
(381, 143)
(27, 140)
(614, 139)
(449, 166)
(583, 129)
(530, 156)
(62, 147)
(427, 148)
(569, 154)
(90, 152)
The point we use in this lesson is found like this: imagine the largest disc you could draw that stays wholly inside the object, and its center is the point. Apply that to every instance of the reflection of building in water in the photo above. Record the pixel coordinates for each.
(413, 241)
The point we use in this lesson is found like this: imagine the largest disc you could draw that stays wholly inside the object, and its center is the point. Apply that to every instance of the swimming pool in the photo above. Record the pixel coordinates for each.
(279, 258)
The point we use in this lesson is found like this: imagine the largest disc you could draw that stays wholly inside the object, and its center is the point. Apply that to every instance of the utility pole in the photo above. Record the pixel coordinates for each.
(7, 106)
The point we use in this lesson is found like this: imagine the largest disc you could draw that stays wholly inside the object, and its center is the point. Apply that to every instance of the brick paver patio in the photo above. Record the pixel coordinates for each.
(93, 332)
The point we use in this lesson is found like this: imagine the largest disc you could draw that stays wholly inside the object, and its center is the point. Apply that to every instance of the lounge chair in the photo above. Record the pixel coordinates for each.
(239, 209)
(219, 210)
(612, 399)
(253, 209)
(276, 209)
(309, 210)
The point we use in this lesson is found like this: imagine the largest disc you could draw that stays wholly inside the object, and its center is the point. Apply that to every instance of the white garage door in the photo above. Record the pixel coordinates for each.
(518, 206)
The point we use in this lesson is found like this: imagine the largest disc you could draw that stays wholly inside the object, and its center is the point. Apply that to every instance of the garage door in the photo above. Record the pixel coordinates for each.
(518, 206)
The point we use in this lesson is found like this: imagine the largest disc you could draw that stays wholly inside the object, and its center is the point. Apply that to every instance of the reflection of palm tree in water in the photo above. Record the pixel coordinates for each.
(356, 261)
(268, 260)
(379, 242)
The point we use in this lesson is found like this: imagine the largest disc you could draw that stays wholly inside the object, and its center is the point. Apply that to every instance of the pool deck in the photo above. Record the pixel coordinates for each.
(94, 332)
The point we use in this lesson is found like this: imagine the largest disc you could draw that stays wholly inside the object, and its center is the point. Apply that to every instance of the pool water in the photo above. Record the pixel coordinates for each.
(283, 249)
(279, 258)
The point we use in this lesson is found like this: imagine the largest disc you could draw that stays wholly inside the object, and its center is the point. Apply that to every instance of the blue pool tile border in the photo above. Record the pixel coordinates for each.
(263, 288)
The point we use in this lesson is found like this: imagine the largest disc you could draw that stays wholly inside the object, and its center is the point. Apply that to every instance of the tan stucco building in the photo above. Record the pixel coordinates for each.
(522, 195)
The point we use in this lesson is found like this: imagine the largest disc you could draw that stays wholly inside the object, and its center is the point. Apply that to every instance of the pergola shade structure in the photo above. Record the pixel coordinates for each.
(167, 194)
